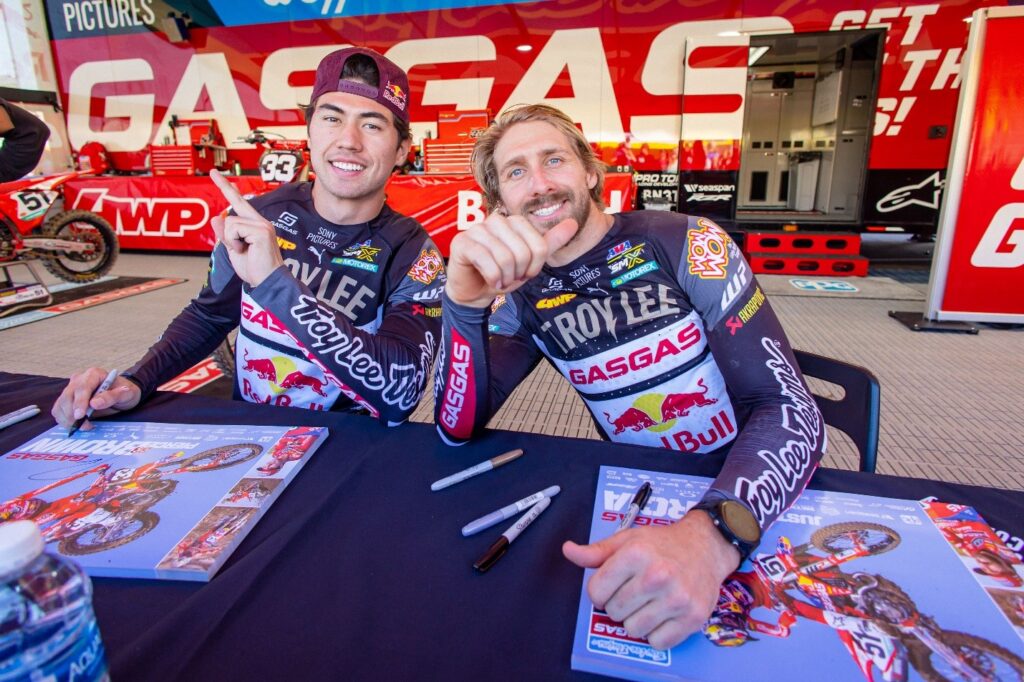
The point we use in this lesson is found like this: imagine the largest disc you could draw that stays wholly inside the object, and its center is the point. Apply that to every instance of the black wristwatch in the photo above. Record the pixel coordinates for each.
(735, 522)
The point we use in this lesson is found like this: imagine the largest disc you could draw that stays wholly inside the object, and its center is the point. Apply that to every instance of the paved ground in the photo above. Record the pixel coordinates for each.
(947, 399)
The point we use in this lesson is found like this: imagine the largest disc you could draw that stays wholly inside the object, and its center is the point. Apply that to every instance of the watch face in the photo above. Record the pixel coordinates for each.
(740, 521)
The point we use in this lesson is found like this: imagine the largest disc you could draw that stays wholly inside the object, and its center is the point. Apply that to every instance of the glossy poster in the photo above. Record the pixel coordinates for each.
(865, 588)
(151, 500)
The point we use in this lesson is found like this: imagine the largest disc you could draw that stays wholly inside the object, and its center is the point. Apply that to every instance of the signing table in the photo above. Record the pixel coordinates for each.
(359, 571)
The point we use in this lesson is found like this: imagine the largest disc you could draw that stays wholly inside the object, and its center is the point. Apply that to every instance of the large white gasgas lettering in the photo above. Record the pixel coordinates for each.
(209, 72)
(137, 109)
(580, 52)
(593, 104)
(663, 75)
(204, 71)
(275, 91)
(1001, 232)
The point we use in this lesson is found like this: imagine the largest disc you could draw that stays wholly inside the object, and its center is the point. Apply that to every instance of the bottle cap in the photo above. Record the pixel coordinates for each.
(20, 543)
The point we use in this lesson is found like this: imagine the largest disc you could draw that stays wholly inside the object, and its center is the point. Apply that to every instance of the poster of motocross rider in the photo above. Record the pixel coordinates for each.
(866, 588)
(149, 500)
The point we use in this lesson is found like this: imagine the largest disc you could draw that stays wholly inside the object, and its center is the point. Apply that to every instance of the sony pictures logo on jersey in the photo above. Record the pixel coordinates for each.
(584, 275)
(323, 237)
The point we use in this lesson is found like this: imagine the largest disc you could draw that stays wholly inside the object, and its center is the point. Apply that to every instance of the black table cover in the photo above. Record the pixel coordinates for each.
(359, 571)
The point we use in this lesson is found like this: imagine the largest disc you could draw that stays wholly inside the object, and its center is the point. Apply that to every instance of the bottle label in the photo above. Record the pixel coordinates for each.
(83, 662)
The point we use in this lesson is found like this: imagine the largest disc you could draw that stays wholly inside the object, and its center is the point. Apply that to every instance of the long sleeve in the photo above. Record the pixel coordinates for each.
(783, 438)
(483, 357)
(196, 331)
(385, 371)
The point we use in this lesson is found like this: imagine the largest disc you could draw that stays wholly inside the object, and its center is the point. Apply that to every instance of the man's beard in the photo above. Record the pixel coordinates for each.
(578, 210)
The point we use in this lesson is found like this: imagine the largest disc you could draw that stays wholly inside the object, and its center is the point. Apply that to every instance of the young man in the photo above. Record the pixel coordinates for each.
(334, 293)
(24, 139)
(655, 319)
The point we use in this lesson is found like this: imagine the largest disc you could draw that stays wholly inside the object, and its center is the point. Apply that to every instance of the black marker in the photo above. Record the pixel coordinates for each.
(643, 494)
(499, 548)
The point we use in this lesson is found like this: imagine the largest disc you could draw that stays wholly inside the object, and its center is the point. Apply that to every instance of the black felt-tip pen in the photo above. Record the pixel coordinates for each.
(643, 494)
(499, 548)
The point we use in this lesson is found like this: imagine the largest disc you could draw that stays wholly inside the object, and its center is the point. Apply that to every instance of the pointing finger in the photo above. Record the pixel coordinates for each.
(242, 207)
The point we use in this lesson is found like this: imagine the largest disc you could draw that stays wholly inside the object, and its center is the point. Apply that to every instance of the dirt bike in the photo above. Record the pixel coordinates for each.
(113, 509)
(877, 622)
(76, 246)
(282, 160)
(199, 551)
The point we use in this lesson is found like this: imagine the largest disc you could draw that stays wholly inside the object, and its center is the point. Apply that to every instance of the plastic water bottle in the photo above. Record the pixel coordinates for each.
(47, 628)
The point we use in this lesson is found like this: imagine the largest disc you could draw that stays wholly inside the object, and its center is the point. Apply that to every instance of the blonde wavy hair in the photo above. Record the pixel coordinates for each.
(486, 173)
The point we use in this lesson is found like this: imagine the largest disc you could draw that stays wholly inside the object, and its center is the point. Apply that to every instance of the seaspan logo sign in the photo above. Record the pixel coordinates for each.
(146, 216)
(709, 192)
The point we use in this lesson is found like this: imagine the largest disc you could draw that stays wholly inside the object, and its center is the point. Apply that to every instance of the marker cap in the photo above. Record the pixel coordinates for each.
(492, 555)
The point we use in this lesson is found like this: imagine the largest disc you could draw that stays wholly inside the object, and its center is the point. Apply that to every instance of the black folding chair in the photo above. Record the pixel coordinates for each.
(856, 413)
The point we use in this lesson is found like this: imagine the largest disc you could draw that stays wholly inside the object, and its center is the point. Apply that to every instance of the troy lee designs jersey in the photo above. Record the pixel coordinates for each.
(667, 338)
(350, 321)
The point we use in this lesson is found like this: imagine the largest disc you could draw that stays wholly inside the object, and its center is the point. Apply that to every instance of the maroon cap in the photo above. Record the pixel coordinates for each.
(392, 91)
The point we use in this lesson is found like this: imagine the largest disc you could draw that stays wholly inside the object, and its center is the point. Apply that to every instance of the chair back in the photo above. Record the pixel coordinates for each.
(856, 413)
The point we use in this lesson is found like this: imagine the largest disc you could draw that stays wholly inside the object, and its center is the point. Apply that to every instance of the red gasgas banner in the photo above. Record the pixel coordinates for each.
(985, 276)
(173, 213)
(619, 69)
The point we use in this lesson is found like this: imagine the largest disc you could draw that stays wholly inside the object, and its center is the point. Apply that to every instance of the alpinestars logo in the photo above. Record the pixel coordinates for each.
(927, 193)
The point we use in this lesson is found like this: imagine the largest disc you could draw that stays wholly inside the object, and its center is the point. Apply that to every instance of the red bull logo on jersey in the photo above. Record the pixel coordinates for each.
(297, 379)
(679, 404)
(279, 376)
(658, 411)
(262, 367)
(699, 419)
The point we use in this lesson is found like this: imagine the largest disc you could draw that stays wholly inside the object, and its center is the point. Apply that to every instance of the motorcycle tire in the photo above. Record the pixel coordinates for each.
(154, 494)
(81, 226)
(986, 659)
(876, 538)
(80, 544)
(247, 451)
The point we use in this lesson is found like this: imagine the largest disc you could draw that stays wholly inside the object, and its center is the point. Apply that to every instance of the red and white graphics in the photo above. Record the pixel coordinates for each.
(458, 403)
(985, 268)
(268, 376)
(690, 411)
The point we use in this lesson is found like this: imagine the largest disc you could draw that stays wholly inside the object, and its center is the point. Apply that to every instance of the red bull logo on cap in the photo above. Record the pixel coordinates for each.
(395, 94)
